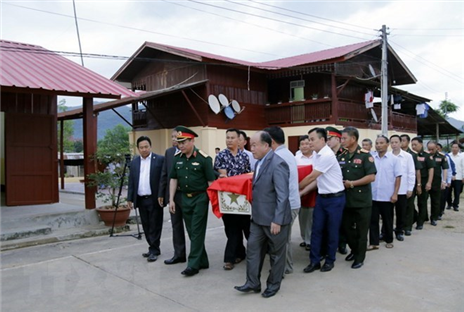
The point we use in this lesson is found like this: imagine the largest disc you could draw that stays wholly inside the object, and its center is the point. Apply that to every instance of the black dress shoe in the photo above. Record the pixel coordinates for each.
(152, 258)
(400, 237)
(440, 217)
(327, 267)
(381, 237)
(146, 254)
(407, 233)
(174, 260)
(312, 267)
(449, 207)
(419, 227)
(350, 257)
(456, 209)
(357, 265)
(189, 271)
(245, 288)
(269, 293)
(433, 222)
(342, 250)
(303, 244)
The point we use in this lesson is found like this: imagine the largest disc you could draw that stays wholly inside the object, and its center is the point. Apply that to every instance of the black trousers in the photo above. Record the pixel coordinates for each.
(151, 215)
(443, 197)
(435, 198)
(178, 231)
(455, 189)
(400, 212)
(235, 226)
(355, 225)
(384, 209)
(422, 204)
(411, 212)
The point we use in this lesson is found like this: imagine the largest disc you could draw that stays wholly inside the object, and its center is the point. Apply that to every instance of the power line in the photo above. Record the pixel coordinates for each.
(139, 29)
(436, 67)
(275, 20)
(306, 14)
(291, 16)
(248, 23)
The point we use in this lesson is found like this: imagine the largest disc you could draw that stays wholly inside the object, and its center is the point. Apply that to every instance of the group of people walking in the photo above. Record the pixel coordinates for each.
(355, 188)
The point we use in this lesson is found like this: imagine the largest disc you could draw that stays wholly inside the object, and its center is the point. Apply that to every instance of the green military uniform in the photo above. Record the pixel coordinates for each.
(426, 161)
(357, 213)
(410, 209)
(440, 162)
(193, 175)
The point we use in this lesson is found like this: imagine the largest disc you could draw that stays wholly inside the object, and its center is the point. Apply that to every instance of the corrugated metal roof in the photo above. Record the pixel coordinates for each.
(33, 67)
(320, 56)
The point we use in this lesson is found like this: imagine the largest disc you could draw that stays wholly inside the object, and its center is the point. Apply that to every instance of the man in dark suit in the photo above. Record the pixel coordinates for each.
(144, 179)
(271, 216)
(178, 232)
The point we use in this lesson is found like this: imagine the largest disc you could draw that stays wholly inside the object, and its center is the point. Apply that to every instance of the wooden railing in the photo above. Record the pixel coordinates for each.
(139, 119)
(304, 112)
(350, 113)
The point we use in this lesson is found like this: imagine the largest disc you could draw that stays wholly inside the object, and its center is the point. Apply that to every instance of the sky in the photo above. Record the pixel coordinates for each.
(427, 35)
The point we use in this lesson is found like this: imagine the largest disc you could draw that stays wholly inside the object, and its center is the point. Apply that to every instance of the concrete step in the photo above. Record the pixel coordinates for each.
(61, 235)
(26, 230)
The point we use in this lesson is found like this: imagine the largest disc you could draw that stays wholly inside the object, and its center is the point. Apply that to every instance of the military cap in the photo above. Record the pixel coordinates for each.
(332, 131)
(184, 133)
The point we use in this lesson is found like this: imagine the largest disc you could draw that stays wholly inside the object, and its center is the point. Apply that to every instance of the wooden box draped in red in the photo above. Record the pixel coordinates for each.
(240, 184)
(308, 200)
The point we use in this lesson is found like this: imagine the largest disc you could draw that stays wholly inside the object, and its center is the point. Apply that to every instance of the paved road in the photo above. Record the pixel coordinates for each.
(423, 273)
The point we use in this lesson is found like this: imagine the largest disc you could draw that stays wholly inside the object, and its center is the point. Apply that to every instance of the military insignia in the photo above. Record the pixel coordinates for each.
(431, 157)
(438, 159)
(179, 133)
(441, 153)
(357, 161)
(413, 151)
(195, 164)
(420, 158)
(179, 163)
(203, 153)
(371, 159)
(177, 153)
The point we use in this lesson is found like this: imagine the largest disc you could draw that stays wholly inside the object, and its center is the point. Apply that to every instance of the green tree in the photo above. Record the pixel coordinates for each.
(111, 151)
(78, 146)
(446, 107)
(68, 130)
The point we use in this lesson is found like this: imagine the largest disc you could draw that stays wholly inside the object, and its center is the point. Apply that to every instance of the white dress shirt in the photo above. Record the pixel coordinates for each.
(408, 179)
(144, 177)
(294, 194)
(331, 179)
(459, 164)
(253, 160)
(388, 169)
(302, 160)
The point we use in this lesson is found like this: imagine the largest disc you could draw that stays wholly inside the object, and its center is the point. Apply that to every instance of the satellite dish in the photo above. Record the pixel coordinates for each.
(371, 69)
(236, 106)
(223, 100)
(214, 104)
(374, 115)
(229, 112)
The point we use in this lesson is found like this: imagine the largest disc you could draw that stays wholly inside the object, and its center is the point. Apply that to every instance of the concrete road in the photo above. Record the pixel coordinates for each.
(423, 273)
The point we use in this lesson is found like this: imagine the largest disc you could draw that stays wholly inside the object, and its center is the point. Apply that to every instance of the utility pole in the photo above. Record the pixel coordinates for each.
(384, 82)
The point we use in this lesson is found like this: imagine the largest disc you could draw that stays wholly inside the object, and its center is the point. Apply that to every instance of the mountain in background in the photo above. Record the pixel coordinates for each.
(106, 120)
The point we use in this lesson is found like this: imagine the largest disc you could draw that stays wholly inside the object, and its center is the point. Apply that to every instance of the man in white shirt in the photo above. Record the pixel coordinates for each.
(408, 182)
(242, 141)
(279, 148)
(458, 179)
(384, 192)
(330, 200)
(305, 217)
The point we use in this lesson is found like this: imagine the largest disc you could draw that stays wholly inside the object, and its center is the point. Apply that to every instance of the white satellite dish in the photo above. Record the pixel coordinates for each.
(374, 115)
(223, 100)
(236, 106)
(214, 103)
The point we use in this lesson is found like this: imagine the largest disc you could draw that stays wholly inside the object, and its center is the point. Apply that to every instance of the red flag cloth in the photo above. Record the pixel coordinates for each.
(240, 184)
(308, 200)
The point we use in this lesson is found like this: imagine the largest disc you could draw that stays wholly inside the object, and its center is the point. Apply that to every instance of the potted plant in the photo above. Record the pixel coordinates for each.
(111, 176)
(314, 96)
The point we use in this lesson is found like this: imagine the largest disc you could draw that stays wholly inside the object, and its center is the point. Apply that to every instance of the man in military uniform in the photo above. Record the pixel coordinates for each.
(411, 213)
(358, 171)
(191, 174)
(425, 183)
(438, 182)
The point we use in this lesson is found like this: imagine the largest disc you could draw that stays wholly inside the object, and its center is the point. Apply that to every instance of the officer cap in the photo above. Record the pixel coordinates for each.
(184, 133)
(332, 131)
